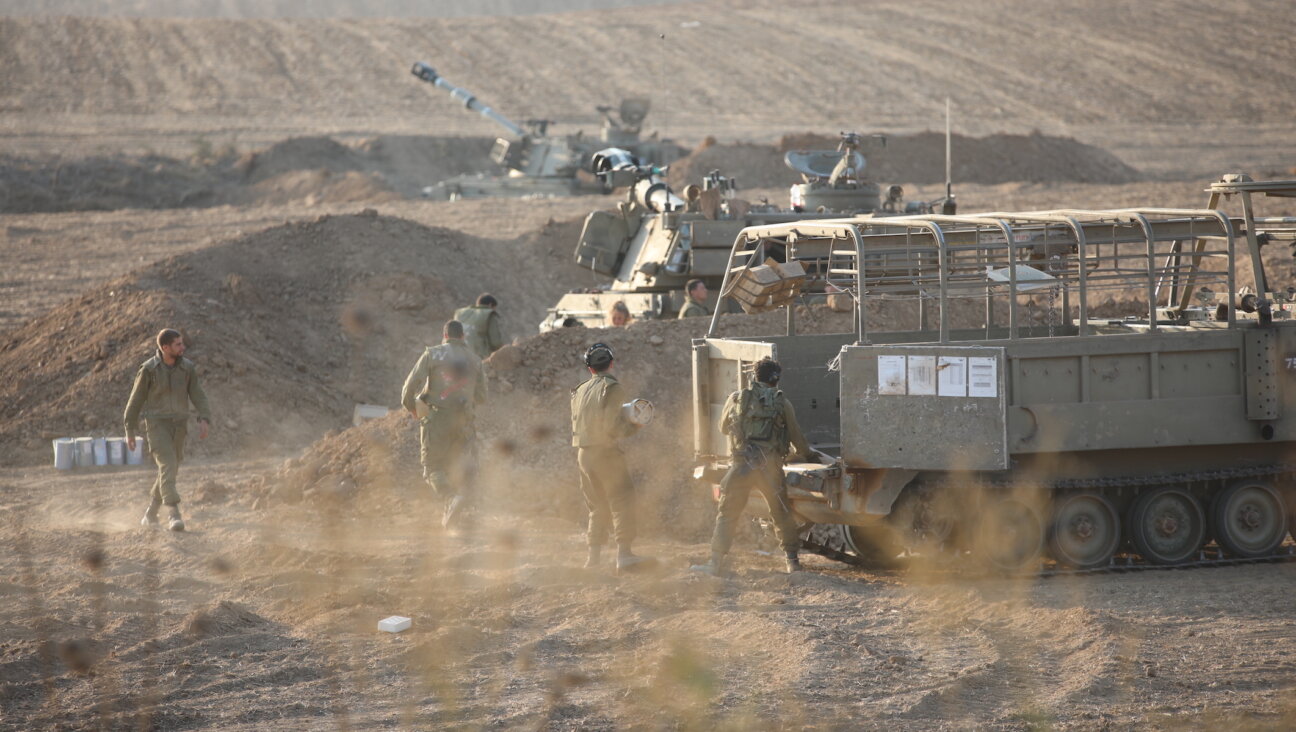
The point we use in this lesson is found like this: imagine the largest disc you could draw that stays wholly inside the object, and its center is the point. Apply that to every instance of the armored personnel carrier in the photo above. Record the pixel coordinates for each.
(1160, 437)
(656, 241)
(541, 164)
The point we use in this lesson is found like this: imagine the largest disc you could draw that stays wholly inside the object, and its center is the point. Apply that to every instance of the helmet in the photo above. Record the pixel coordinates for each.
(597, 355)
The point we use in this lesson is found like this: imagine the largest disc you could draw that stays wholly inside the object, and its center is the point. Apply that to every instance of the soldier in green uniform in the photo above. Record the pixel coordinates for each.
(441, 391)
(164, 387)
(761, 424)
(598, 423)
(481, 325)
(695, 294)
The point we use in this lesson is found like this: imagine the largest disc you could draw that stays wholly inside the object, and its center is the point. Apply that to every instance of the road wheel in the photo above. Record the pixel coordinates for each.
(1249, 519)
(1010, 535)
(924, 521)
(1167, 526)
(875, 544)
(1085, 531)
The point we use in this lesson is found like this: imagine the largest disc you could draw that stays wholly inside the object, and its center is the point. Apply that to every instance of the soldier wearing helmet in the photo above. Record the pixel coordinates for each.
(598, 424)
(441, 391)
(761, 425)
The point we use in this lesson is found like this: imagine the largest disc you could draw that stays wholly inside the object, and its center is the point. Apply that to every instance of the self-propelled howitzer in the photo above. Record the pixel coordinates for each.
(540, 164)
(656, 241)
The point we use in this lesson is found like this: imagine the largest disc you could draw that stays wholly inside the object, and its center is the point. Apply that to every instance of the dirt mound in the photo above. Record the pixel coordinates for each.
(223, 618)
(312, 170)
(300, 153)
(31, 185)
(291, 327)
(920, 159)
(525, 457)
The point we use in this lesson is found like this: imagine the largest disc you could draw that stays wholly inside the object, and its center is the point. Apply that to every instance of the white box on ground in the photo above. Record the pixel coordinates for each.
(364, 412)
(394, 624)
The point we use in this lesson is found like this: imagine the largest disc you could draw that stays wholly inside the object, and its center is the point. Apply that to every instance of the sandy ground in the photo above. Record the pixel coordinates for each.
(263, 614)
(257, 619)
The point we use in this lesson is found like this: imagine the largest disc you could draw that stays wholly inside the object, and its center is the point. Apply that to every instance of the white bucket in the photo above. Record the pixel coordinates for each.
(116, 450)
(64, 458)
(100, 451)
(136, 456)
(84, 452)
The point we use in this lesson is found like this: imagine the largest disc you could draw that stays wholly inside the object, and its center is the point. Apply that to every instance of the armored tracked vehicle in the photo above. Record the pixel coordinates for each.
(656, 241)
(541, 164)
(1161, 437)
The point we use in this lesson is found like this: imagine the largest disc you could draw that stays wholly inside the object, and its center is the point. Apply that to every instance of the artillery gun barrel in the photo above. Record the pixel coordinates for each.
(429, 74)
(655, 195)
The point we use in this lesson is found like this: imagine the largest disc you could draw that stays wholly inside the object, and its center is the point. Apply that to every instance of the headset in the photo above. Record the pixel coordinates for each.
(593, 355)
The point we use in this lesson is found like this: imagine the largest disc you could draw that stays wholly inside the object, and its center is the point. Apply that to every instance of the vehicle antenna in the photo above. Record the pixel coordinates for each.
(948, 206)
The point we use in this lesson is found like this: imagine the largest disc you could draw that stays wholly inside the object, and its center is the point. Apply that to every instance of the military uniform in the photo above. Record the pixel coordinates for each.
(443, 389)
(693, 309)
(597, 425)
(481, 329)
(760, 423)
(161, 396)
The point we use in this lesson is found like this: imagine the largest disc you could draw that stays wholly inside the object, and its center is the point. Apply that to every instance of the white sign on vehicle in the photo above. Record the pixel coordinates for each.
(983, 377)
(891, 374)
(951, 376)
(922, 375)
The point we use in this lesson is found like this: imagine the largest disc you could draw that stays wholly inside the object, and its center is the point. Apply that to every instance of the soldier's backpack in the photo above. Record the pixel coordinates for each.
(760, 416)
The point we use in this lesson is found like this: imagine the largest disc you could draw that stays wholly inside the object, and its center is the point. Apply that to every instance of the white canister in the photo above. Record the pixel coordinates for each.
(136, 456)
(638, 411)
(116, 450)
(100, 451)
(84, 452)
(64, 453)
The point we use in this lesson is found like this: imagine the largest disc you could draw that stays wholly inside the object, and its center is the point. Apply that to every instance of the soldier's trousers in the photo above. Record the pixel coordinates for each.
(446, 453)
(609, 494)
(736, 487)
(166, 444)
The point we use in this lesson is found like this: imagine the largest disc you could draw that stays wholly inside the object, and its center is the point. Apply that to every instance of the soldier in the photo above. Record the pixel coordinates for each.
(164, 387)
(695, 293)
(441, 391)
(619, 315)
(597, 424)
(481, 325)
(760, 424)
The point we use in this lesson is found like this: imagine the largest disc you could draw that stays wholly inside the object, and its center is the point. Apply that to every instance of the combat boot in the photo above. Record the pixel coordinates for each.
(714, 567)
(176, 523)
(793, 563)
(595, 554)
(450, 510)
(151, 515)
(628, 561)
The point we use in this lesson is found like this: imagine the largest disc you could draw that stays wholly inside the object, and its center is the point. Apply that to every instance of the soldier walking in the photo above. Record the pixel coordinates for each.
(442, 391)
(164, 386)
(481, 325)
(695, 295)
(598, 424)
(761, 424)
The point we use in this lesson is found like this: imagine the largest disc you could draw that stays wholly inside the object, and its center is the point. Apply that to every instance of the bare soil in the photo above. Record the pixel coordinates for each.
(256, 182)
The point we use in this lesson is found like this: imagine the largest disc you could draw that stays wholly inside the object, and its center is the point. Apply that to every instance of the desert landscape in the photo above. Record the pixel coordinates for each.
(253, 173)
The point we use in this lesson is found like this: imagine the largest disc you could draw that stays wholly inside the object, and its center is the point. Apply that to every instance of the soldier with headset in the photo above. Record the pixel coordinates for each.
(598, 424)
(761, 425)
